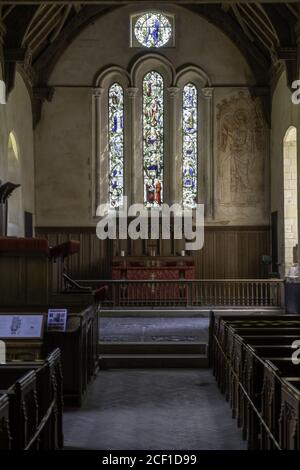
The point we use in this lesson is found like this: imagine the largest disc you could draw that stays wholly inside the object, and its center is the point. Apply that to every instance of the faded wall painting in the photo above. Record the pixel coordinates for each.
(241, 150)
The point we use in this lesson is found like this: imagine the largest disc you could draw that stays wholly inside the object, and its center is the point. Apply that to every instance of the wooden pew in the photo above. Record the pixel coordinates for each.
(78, 345)
(224, 345)
(284, 396)
(222, 325)
(23, 409)
(253, 379)
(240, 357)
(238, 371)
(48, 391)
(5, 436)
(272, 396)
(289, 421)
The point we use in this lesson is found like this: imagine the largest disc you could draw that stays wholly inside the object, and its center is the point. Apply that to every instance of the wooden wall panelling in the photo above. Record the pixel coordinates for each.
(229, 252)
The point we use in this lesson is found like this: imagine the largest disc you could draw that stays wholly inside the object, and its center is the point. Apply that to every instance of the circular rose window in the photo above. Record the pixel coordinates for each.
(153, 30)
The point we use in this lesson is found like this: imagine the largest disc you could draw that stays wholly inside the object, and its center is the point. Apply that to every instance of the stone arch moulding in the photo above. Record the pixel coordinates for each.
(108, 75)
(131, 81)
(197, 76)
(99, 162)
(190, 73)
(152, 61)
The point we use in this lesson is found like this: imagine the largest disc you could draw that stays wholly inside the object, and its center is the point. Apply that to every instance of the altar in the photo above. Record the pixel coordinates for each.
(153, 268)
(159, 274)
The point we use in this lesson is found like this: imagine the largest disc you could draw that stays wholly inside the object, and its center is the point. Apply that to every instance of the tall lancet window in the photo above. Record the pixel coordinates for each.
(189, 145)
(153, 138)
(116, 144)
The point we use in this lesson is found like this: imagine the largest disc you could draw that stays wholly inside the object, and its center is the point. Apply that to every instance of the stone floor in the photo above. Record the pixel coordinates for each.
(153, 410)
(153, 329)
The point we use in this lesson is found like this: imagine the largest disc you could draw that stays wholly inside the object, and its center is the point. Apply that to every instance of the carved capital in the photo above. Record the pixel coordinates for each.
(132, 92)
(287, 53)
(43, 93)
(173, 91)
(208, 92)
(16, 55)
(40, 95)
(2, 32)
(297, 31)
(97, 92)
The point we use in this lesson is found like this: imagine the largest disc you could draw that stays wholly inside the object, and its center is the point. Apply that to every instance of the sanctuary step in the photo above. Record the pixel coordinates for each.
(152, 355)
(153, 361)
(151, 348)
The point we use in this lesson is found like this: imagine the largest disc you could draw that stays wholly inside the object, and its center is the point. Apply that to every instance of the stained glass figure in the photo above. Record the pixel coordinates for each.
(153, 138)
(116, 144)
(153, 30)
(189, 145)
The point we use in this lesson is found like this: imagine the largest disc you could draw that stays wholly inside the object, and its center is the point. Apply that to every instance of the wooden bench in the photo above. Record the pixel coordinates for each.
(251, 357)
(5, 436)
(78, 345)
(47, 393)
(23, 408)
(289, 421)
(220, 328)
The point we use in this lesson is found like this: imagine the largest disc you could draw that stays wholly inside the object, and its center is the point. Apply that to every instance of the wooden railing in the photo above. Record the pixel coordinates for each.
(192, 293)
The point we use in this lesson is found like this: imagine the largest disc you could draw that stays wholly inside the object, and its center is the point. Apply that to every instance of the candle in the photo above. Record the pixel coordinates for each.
(182, 253)
(122, 253)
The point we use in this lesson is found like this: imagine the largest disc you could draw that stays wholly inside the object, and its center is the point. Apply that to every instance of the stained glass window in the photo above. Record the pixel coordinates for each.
(189, 144)
(153, 30)
(153, 138)
(116, 144)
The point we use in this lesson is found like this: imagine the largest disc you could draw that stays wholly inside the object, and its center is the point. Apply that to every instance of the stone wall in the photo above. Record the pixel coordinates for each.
(284, 115)
(65, 164)
(16, 117)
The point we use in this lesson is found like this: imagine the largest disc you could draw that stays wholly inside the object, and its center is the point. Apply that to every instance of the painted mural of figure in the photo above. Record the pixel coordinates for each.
(238, 144)
(239, 153)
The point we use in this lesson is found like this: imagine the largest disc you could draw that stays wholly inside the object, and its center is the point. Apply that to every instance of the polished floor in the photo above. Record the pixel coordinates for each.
(153, 410)
(154, 329)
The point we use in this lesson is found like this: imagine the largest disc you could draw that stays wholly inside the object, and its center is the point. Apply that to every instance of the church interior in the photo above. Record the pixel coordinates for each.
(149, 261)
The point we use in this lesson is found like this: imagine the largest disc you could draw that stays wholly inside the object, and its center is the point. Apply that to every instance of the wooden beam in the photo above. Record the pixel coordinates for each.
(126, 2)
(42, 36)
(61, 24)
(7, 11)
(45, 29)
(38, 20)
(242, 23)
(263, 18)
(257, 60)
(258, 29)
(294, 9)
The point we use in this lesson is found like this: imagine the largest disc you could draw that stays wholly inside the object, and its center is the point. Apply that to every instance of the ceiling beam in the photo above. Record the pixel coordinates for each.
(124, 2)
(16, 25)
(61, 24)
(47, 60)
(38, 20)
(258, 62)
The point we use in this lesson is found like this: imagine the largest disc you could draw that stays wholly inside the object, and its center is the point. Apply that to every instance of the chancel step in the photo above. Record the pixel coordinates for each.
(152, 348)
(152, 355)
(136, 361)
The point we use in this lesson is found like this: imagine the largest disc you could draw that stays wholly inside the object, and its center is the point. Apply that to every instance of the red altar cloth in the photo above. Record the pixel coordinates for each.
(153, 269)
